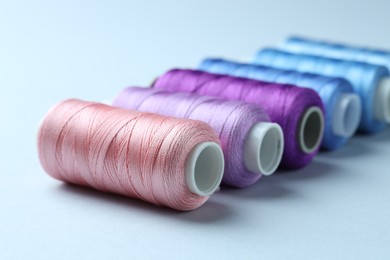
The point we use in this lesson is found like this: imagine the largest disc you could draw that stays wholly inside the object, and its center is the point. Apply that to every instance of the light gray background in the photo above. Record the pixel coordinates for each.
(337, 208)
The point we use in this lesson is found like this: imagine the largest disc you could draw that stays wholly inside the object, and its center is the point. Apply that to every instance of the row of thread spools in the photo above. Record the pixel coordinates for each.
(173, 143)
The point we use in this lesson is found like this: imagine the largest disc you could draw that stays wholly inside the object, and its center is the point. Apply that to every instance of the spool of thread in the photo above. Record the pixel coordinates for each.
(370, 82)
(166, 161)
(337, 50)
(298, 111)
(252, 146)
(342, 105)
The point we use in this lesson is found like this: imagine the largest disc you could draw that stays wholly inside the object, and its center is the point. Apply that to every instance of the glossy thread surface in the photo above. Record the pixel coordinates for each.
(329, 88)
(285, 104)
(231, 120)
(364, 77)
(337, 50)
(136, 154)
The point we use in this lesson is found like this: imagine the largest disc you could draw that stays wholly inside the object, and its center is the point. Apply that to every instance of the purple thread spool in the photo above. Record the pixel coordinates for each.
(252, 146)
(298, 111)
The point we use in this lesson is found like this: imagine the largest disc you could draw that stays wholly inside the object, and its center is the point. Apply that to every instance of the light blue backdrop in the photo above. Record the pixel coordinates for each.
(337, 208)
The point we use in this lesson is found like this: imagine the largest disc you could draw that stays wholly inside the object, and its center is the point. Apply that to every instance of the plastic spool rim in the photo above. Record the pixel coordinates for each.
(346, 115)
(311, 129)
(204, 168)
(382, 101)
(263, 148)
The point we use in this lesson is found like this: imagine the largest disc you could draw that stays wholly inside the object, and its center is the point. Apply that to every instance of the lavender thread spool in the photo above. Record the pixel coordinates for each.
(252, 146)
(298, 111)
(342, 105)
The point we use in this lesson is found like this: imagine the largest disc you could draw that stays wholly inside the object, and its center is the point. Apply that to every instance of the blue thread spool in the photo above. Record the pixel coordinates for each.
(370, 82)
(336, 50)
(342, 106)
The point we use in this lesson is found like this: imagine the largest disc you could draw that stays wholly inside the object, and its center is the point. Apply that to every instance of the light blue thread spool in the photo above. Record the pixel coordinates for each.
(370, 82)
(336, 50)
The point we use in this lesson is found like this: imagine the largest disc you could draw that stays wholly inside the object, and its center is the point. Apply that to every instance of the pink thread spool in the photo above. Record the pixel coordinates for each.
(166, 161)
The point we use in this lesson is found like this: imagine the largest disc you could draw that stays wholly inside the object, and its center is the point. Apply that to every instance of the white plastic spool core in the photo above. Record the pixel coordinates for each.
(346, 115)
(382, 101)
(204, 168)
(311, 129)
(263, 148)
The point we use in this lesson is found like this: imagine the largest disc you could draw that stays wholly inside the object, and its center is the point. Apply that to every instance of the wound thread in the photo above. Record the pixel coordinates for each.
(342, 105)
(136, 154)
(337, 50)
(365, 78)
(285, 104)
(232, 121)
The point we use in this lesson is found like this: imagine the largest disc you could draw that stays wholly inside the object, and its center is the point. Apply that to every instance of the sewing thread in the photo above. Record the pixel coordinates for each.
(298, 111)
(243, 129)
(163, 160)
(337, 50)
(342, 105)
(370, 82)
